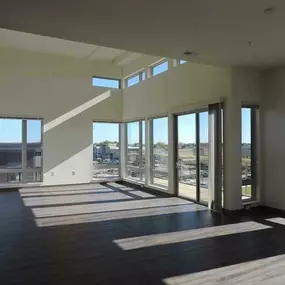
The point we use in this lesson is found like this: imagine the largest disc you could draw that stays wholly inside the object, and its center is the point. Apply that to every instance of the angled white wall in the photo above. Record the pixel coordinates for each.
(59, 90)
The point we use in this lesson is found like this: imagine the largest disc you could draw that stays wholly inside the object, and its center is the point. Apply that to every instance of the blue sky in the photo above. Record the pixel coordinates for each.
(11, 130)
(186, 129)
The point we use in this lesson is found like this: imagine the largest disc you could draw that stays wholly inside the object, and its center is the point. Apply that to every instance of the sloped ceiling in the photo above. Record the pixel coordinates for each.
(221, 32)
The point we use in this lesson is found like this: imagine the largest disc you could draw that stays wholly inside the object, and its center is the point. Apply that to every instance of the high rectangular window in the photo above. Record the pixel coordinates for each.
(182, 61)
(106, 150)
(160, 68)
(106, 82)
(133, 80)
(159, 152)
(143, 74)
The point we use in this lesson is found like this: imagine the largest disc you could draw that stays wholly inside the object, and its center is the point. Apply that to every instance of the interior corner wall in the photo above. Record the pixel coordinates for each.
(245, 88)
(273, 137)
(59, 90)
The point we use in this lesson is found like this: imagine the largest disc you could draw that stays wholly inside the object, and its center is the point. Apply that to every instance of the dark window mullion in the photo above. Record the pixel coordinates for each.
(253, 153)
(198, 164)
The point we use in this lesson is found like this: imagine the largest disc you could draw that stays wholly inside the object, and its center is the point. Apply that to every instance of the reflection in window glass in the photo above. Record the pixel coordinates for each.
(204, 156)
(133, 80)
(133, 144)
(106, 150)
(159, 160)
(160, 68)
(106, 82)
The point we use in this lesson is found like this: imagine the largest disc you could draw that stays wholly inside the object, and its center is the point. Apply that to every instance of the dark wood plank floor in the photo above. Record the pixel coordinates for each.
(112, 234)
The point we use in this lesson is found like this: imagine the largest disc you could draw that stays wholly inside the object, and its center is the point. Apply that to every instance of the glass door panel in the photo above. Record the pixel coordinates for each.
(186, 156)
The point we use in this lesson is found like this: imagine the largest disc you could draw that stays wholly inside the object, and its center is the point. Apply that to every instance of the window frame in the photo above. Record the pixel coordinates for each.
(119, 167)
(140, 168)
(254, 134)
(107, 78)
(151, 151)
(153, 66)
(24, 169)
(140, 77)
(131, 77)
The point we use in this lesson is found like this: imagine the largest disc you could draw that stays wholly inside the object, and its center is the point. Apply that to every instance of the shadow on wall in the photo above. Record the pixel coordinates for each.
(69, 135)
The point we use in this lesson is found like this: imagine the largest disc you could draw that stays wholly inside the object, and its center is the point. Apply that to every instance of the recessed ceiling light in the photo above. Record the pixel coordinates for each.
(269, 11)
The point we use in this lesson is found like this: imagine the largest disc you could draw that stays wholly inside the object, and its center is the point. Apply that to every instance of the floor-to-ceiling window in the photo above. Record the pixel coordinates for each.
(159, 152)
(106, 150)
(187, 156)
(248, 151)
(193, 156)
(136, 150)
(20, 150)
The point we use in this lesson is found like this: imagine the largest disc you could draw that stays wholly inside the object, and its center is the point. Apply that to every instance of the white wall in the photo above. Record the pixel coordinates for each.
(54, 88)
(175, 89)
(59, 89)
(142, 62)
(245, 88)
(273, 137)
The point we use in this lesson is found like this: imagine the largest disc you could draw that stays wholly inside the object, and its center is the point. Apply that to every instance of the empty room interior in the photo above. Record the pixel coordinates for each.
(142, 142)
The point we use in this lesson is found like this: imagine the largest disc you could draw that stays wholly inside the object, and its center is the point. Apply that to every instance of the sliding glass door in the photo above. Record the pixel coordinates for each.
(187, 156)
(159, 152)
(192, 158)
(136, 155)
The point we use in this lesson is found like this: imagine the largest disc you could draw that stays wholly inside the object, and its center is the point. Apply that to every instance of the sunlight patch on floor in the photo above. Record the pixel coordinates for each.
(113, 215)
(106, 207)
(264, 271)
(279, 220)
(73, 199)
(188, 235)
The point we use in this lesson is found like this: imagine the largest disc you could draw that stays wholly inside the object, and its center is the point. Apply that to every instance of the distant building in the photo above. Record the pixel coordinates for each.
(106, 152)
(11, 155)
(246, 150)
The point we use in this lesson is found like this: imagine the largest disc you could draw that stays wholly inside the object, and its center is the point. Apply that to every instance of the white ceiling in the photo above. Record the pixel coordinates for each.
(219, 30)
(43, 44)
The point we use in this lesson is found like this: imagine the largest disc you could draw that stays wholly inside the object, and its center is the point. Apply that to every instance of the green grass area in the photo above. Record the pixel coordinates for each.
(246, 190)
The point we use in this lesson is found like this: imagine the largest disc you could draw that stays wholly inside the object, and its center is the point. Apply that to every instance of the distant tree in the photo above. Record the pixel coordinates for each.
(161, 145)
